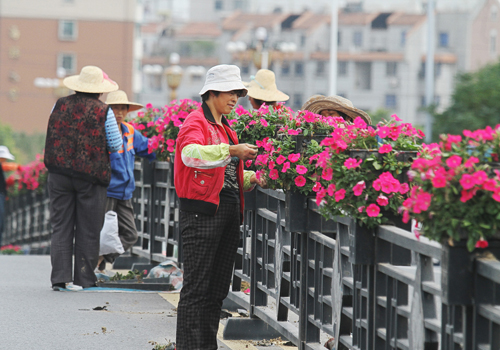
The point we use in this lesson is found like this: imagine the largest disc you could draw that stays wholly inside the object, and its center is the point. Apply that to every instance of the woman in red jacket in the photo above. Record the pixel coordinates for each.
(210, 180)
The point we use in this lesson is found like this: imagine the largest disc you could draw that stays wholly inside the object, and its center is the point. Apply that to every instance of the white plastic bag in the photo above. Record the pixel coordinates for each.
(110, 241)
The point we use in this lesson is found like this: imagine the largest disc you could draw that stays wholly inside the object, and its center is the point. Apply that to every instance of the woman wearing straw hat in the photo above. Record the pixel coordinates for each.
(81, 132)
(262, 89)
(122, 183)
(210, 180)
(335, 106)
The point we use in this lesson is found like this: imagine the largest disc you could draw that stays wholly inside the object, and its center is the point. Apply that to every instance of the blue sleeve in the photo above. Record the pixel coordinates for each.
(141, 146)
(113, 135)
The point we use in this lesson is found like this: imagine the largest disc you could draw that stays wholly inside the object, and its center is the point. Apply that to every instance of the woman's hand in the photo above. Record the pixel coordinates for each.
(244, 151)
(262, 182)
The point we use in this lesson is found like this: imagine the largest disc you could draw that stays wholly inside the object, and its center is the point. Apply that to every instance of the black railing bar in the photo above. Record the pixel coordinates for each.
(162, 165)
(490, 312)
(286, 301)
(322, 239)
(407, 240)
(157, 257)
(269, 291)
(141, 252)
(240, 274)
(346, 340)
(432, 287)
(433, 324)
(285, 328)
(398, 273)
(404, 310)
(240, 298)
(346, 220)
(273, 193)
(267, 214)
(489, 269)
(320, 325)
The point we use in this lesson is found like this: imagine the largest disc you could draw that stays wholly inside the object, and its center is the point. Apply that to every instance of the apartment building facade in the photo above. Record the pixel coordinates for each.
(41, 42)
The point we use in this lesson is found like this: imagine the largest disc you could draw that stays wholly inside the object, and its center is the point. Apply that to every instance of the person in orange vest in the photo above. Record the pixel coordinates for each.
(6, 166)
(122, 183)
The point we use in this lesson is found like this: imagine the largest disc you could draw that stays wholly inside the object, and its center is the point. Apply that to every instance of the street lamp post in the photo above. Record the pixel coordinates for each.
(173, 74)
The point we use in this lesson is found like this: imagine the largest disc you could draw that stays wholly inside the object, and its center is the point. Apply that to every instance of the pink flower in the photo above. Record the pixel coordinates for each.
(481, 243)
(140, 127)
(360, 123)
(406, 216)
(382, 200)
(293, 157)
(149, 106)
(490, 185)
(293, 132)
(383, 132)
(466, 195)
(352, 163)
(300, 181)
(372, 210)
(317, 187)
(396, 118)
(331, 190)
(248, 163)
(280, 159)
(271, 164)
(439, 181)
(339, 195)
(319, 196)
(467, 181)
(404, 188)
(301, 169)
(273, 174)
(286, 166)
(361, 209)
(358, 188)
(170, 142)
(470, 162)
(454, 161)
(327, 174)
(264, 122)
(480, 177)
(496, 195)
(386, 148)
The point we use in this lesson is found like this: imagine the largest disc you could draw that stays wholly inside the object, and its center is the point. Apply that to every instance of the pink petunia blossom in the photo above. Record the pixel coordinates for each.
(469, 163)
(386, 148)
(286, 166)
(467, 181)
(300, 181)
(480, 177)
(404, 188)
(361, 209)
(382, 200)
(339, 195)
(396, 118)
(439, 181)
(454, 161)
(273, 174)
(466, 195)
(264, 122)
(317, 187)
(149, 106)
(301, 169)
(482, 244)
(293, 132)
(327, 174)
(248, 163)
(490, 185)
(331, 190)
(360, 123)
(352, 163)
(281, 159)
(372, 210)
(293, 157)
(358, 188)
(271, 164)
(383, 132)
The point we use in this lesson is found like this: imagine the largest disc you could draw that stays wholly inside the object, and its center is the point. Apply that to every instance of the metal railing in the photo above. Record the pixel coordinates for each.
(312, 279)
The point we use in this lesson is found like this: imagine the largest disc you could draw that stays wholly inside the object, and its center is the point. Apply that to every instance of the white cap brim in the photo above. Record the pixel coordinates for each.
(224, 87)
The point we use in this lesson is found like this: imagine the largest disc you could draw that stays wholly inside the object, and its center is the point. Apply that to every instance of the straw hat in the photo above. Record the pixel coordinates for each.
(318, 103)
(120, 98)
(224, 78)
(5, 153)
(92, 80)
(263, 87)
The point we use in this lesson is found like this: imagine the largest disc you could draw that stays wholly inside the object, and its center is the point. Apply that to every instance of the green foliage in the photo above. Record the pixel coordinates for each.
(475, 103)
(379, 115)
(23, 146)
(131, 275)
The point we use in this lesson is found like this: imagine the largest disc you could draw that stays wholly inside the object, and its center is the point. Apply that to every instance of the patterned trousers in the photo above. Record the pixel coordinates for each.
(209, 245)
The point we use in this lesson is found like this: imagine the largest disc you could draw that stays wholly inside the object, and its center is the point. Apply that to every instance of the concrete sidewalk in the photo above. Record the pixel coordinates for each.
(33, 316)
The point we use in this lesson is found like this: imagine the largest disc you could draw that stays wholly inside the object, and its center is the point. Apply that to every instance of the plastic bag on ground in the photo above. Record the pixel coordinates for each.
(168, 268)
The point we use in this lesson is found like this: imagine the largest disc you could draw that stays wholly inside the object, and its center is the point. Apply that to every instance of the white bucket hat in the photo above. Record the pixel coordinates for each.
(92, 80)
(224, 78)
(263, 87)
(120, 98)
(5, 153)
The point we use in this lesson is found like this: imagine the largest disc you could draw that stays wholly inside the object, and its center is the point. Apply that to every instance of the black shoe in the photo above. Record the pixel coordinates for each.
(58, 286)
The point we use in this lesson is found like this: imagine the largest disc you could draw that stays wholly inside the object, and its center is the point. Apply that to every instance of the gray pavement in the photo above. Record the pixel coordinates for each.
(33, 316)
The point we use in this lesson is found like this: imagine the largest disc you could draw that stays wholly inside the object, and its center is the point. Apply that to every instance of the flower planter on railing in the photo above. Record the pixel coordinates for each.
(295, 212)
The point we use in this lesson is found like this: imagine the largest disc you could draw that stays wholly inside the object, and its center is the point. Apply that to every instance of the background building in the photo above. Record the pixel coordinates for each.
(43, 41)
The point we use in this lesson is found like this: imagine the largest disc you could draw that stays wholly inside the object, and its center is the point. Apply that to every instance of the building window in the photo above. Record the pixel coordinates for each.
(443, 39)
(219, 5)
(391, 69)
(390, 101)
(437, 69)
(494, 13)
(342, 68)
(302, 40)
(238, 4)
(68, 62)
(68, 30)
(297, 101)
(299, 69)
(363, 78)
(245, 68)
(320, 68)
(357, 39)
(339, 38)
(493, 42)
(403, 38)
(285, 68)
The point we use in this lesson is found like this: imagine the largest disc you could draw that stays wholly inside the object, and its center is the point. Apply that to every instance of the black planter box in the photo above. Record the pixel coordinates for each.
(361, 244)
(152, 284)
(295, 212)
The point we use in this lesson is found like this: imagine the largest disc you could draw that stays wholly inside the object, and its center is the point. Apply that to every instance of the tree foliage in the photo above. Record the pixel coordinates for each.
(475, 103)
(23, 146)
